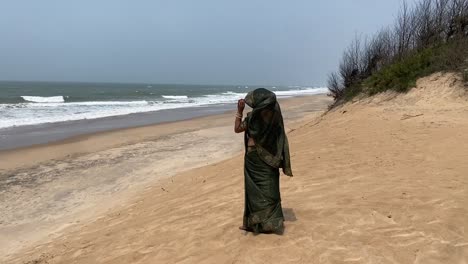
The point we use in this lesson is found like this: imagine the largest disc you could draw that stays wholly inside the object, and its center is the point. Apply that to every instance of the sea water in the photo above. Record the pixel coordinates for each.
(35, 103)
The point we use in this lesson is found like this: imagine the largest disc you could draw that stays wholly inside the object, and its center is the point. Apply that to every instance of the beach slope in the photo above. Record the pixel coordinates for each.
(380, 180)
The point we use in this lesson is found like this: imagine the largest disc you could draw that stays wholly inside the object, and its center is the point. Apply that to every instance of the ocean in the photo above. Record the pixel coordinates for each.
(39, 112)
(34, 103)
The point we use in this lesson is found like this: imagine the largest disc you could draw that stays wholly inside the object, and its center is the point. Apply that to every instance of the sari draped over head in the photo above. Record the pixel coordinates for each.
(266, 127)
(263, 211)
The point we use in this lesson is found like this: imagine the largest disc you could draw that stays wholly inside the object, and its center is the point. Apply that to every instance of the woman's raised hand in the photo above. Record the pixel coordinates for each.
(240, 105)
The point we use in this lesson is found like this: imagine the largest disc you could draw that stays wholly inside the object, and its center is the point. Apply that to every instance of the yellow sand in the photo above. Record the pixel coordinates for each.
(381, 180)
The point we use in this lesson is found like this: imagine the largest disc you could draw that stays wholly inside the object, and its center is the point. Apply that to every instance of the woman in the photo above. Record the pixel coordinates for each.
(266, 150)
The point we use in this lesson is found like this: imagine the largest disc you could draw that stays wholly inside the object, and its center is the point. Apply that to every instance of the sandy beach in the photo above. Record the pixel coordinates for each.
(379, 180)
(49, 187)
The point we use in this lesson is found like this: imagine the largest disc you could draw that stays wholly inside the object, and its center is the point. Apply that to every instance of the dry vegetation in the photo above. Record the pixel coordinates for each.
(428, 37)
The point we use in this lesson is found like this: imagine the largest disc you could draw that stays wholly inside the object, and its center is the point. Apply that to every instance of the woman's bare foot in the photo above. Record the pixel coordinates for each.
(248, 229)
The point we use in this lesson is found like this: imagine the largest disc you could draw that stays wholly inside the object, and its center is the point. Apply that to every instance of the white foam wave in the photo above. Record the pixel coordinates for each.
(299, 92)
(108, 103)
(234, 93)
(42, 99)
(92, 103)
(32, 113)
(287, 93)
(175, 96)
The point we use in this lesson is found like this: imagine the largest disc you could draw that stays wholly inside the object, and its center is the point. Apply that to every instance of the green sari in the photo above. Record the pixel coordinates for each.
(263, 212)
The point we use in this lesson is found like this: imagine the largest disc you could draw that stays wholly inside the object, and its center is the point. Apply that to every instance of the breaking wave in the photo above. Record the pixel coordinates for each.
(41, 99)
(38, 109)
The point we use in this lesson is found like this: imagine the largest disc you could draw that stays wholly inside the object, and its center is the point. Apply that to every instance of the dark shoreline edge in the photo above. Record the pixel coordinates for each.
(23, 137)
(16, 138)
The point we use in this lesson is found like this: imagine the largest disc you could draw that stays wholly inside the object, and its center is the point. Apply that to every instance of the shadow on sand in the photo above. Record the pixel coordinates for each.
(289, 215)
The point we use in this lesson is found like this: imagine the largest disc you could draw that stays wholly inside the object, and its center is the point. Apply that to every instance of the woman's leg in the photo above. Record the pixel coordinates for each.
(263, 212)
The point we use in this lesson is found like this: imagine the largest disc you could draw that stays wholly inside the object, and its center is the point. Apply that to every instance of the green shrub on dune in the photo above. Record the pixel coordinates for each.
(402, 75)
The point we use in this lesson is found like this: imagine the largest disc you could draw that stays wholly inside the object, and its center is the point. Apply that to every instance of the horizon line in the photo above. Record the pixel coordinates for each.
(162, 83)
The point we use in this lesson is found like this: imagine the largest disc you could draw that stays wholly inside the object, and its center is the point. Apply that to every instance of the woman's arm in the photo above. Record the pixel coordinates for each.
(238, 128)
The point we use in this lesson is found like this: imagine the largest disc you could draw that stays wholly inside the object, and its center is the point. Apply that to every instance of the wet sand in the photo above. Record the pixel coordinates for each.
(25, 136)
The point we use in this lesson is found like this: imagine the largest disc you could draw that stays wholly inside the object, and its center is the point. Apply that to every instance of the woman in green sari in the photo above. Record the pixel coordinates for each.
(266, 150)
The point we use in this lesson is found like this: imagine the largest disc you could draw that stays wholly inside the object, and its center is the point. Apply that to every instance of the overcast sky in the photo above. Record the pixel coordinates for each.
(183, 41)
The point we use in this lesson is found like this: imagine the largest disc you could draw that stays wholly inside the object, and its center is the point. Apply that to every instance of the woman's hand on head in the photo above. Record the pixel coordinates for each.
(240, 105)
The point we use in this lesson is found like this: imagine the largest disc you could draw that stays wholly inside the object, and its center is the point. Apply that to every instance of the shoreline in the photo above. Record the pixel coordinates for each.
(30, 135)
(10, 158)
(14, 138)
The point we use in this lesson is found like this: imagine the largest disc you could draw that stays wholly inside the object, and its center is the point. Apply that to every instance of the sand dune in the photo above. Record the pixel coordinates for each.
(380, 180)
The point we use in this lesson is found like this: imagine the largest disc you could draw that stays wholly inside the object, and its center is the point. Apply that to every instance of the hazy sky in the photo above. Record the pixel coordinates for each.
(183, 41)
